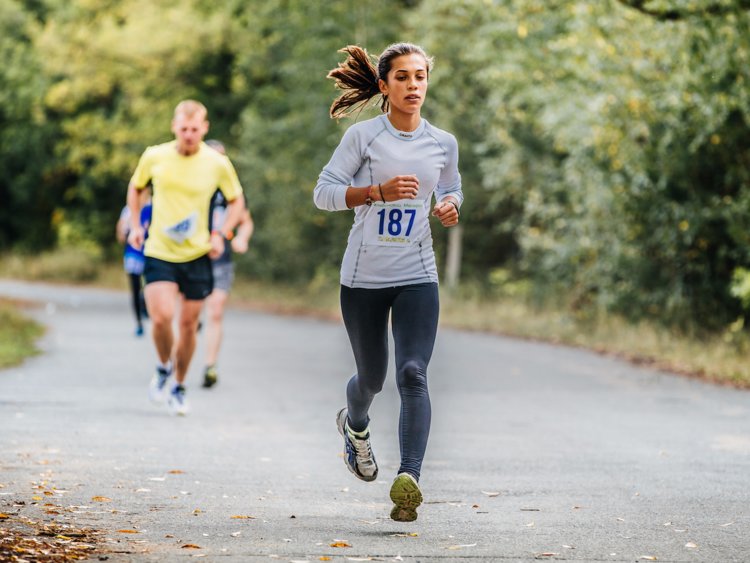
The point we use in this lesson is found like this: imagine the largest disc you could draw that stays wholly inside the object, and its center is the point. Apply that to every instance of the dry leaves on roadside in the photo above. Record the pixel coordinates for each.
(340, 543)
(242, 517)
(101, 499)
(46, 543)
(491, 493)
(190, 546)
(128, 531)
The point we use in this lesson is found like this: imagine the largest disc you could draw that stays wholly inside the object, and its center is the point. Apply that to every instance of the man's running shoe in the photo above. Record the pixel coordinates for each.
(157, 389)
(358, 454)
(406, 497)
(210, 377)
(177, 403)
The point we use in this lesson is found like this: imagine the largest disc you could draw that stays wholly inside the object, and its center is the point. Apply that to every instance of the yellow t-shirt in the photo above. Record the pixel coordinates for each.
(183, 186)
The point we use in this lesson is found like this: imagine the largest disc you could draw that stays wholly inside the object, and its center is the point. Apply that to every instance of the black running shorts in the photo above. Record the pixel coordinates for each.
(194, 278)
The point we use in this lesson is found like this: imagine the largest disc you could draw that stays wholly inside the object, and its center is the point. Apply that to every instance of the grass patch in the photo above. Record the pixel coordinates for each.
(721, 358)
(18, 334)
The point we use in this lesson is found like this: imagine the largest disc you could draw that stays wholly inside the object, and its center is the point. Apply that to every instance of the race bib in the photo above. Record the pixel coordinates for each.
(393, 224)
(180, 232)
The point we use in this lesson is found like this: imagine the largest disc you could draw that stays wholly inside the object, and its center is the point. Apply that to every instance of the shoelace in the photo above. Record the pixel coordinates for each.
(362, 449)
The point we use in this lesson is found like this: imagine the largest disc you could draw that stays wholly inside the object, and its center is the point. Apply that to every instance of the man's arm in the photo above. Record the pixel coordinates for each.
(244, 232)
(136, 235)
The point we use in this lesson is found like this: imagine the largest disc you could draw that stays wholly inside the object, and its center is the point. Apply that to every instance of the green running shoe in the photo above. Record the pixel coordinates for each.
(210, 377)
(406, 497)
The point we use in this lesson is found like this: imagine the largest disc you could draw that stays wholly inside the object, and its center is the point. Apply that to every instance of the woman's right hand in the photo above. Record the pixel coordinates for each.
(400, 187)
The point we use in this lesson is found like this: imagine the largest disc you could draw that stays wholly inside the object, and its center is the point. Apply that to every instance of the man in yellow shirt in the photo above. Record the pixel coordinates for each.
(184, 174)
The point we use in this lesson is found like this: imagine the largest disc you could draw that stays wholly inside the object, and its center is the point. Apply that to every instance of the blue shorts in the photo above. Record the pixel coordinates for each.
(194, 278)
(134, 263)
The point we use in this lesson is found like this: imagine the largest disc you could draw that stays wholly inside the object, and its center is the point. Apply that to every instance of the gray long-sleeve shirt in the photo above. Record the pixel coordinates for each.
(390, 244)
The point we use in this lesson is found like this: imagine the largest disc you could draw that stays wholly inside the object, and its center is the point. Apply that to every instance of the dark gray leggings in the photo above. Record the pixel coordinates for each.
(414, 311)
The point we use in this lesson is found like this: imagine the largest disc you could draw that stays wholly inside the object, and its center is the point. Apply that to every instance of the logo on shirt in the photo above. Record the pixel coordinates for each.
(405, 135)
(180, 232)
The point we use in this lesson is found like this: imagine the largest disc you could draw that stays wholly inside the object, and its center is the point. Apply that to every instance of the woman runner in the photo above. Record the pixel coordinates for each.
(388, 169)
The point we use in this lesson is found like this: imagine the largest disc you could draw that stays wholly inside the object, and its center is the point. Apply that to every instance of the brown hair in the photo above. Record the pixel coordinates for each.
(358, 76)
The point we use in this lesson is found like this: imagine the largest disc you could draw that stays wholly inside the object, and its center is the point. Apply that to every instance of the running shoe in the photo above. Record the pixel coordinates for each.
(210, 377)
(177, 403)
(406, 497)
(157, 389)
(358, 454)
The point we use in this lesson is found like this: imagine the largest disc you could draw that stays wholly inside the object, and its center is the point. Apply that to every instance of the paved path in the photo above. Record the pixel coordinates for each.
(536, 451)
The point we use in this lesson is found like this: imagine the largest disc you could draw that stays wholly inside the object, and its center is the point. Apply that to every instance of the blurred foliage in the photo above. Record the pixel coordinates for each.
(605, 144)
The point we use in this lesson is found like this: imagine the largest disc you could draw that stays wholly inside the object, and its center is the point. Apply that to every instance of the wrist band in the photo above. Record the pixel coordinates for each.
(380, 189)
(228, 235)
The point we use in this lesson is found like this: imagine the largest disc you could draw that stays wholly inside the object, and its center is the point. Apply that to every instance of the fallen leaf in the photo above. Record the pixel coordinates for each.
(190, 546)
(648, 557)
(461, 546)
(3, 516)
(340, 543)
(36, 498)
(491, 493)
(101, 499)
(324, 558)
(547, 554)
(128, 531)
(242, 517)
(691, 545)
(197, 511)
(176, 472)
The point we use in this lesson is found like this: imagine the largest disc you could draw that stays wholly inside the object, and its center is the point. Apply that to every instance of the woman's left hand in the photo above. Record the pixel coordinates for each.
(446, 212)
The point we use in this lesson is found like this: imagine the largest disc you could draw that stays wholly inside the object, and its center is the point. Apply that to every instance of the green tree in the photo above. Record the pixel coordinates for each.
(27, 190)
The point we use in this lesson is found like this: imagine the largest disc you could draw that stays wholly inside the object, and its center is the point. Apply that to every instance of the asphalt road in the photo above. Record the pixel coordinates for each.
(536, 451)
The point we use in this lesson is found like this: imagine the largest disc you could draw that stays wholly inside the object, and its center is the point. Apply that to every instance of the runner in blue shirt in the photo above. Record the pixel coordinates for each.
(134, 260)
